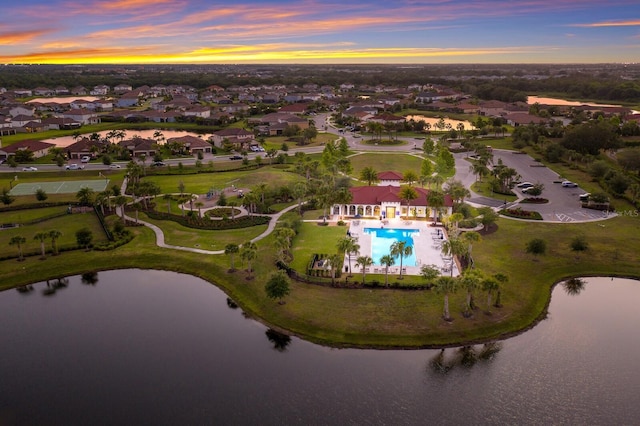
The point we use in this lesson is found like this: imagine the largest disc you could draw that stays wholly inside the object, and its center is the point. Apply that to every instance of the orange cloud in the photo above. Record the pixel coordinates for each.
(629, 23)
(19, 37)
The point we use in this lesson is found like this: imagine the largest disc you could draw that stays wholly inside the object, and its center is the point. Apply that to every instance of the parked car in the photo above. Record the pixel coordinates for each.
(85, 159)
(158, 164)
(235, 157)
(30, 169)
(569, 184)
(584, 197)
(525, 185)
(74, 166)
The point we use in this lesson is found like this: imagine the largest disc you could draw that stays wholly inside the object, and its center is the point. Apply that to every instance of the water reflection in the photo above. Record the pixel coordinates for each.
(468, 356)
(54, 285)
(89, 278)
(181, 350)
(280, 341)
(574, 286)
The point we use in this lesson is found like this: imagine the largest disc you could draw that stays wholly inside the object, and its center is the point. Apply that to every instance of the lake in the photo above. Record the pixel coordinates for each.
(563, 102)
(65, 141)
(432, 121)
(153, 347)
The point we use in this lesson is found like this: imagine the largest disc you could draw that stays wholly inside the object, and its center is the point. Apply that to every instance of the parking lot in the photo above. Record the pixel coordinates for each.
(564, 204)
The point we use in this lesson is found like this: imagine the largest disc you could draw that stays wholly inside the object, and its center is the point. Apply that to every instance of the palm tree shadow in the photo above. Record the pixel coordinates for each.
(574, 286)
(280, 341)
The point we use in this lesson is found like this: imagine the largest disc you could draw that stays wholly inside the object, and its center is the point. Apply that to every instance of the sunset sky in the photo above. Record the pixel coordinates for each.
(310, 31)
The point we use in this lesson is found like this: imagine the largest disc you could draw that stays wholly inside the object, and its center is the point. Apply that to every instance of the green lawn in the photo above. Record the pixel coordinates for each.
(202, 182)
(313, 239)
(28, 215)
(178, 235)
(67, 224)
(386, 161)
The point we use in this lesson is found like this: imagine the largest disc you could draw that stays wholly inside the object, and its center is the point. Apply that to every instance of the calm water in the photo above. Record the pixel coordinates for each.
(383, 238)
(149, 347)
(65, 141)
(432, 121)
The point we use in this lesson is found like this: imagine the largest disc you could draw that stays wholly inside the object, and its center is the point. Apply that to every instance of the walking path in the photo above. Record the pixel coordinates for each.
(160, 235)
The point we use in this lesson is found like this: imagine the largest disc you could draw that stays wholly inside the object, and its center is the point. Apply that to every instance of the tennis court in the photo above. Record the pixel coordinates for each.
(59, 187)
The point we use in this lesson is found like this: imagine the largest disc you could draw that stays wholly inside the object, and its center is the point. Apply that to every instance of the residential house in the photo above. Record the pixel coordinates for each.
(122, 88)
(21, 110)
(234, 135)
(60, 123)
(138, 147)
(198, 111)
(39, 148)
(82, 116)
(22, 120)
(128, 99)
(523, 119)
(85, 147)
(100, 90)
(192, 144)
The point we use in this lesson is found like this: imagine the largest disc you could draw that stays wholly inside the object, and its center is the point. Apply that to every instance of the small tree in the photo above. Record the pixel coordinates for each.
(429, 273)
(54, 234)
(277, 287)
(387, 260)
(6, 198)
(536, 247)
(579, 243)
(41, 236)
(222, 199)
(41, 195)
(18, 240)
(364, 262)
(84, 237)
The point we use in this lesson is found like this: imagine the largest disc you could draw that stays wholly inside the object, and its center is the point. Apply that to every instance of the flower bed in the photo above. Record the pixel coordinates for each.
(535, 200)
(521, 214)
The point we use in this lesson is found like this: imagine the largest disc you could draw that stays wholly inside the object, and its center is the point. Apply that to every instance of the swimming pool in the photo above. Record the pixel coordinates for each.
(382, 238)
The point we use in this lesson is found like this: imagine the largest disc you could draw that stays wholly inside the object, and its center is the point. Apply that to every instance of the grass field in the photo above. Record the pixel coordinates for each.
(386, 161)
(67, 224)
(202, 182)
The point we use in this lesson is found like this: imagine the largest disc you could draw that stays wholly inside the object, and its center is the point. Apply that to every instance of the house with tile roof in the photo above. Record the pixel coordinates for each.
(389, 178)
(192, 144)
(385, 202)
(39, 148)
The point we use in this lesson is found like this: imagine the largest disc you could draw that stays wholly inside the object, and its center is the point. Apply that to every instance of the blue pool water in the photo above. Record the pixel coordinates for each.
(382, 238)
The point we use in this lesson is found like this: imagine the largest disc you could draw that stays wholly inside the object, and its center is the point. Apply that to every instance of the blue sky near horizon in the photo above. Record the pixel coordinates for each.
(311, 31)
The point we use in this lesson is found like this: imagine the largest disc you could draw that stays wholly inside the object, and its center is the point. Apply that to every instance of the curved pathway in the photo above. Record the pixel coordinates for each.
(160, 235)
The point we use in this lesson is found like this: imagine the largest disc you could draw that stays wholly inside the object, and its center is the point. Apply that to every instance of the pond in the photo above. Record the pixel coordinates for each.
(65, 141)
(432, 121)
(153, 347)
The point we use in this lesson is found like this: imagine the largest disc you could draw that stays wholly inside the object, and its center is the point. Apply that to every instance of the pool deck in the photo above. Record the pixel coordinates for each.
(426, 247)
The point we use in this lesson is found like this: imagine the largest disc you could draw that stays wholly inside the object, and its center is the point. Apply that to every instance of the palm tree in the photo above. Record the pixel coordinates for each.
(348, 245)
(299, 192)
(387, 260)
(470, 237)
(409, 177)
(249, 252)
(401, 249)
(408, 193)
(364, 262)
(470, 281)
(369, 175)
(453, 247)
(446, 286)
(18, 240)
(41, 236)
(435, 201)
(54, 234)
(85, 196)
(489, 285)
(231, 249)
(120, 201)
(335, 263)
(502, 279)
(168, 198)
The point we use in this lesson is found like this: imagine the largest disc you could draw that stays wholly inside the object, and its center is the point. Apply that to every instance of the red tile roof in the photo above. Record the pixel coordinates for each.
(371, 195)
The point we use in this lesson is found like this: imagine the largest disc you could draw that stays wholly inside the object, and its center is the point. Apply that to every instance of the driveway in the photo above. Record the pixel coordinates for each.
(564, 204)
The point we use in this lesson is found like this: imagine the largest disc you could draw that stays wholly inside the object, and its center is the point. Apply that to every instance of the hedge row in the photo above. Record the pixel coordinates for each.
(193, 221)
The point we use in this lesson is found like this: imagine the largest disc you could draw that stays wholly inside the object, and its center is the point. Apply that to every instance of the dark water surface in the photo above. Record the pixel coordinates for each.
(151, 347)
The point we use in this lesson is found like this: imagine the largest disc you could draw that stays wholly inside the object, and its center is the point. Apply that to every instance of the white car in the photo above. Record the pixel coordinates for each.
(525, 185)
(85, 159)
(29, 169)
(569, 184)
(114, 166)
(74, 166)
